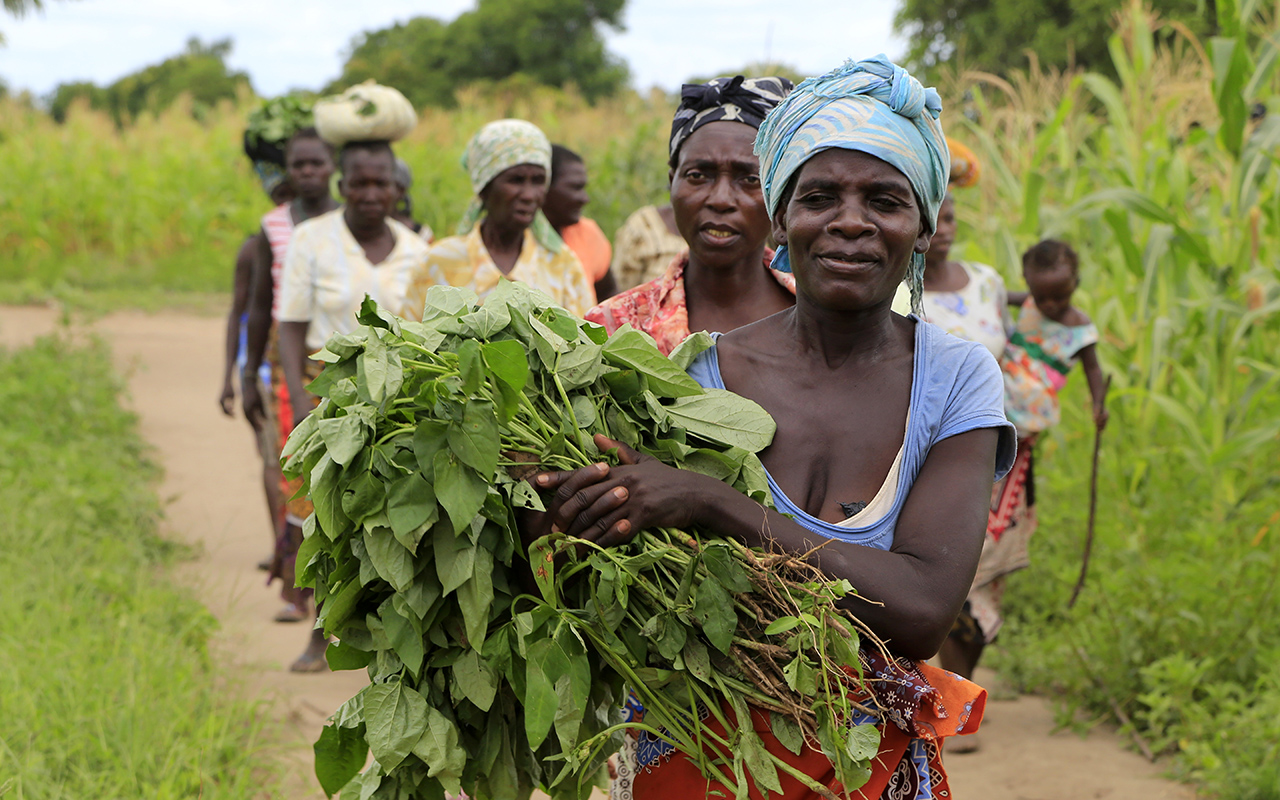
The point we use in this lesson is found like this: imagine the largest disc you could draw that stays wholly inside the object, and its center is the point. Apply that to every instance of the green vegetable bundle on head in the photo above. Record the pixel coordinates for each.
(496, 669)
(271, 124)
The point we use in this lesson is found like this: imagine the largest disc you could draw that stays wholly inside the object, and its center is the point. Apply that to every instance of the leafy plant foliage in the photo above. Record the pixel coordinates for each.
(497, 668)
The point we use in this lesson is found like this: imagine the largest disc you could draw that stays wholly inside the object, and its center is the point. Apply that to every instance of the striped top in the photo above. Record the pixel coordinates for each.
(277, 224)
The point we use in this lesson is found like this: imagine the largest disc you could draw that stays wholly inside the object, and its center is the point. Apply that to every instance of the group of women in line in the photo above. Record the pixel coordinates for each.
(890, 433)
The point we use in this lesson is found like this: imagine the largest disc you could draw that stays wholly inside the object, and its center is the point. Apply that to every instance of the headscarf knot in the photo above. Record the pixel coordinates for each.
(736, 99)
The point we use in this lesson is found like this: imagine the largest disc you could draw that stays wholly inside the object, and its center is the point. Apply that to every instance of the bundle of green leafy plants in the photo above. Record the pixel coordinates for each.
(497, 668)
(271, 124)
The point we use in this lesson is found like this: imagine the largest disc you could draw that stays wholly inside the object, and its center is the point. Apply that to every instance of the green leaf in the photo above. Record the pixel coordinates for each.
(540, 698)
(351, 713)
(379, 372)
(584, 411)
(475, 441)
(338, 606)
(326, 496)
(404, 636)
(696, 659)
(470, 366)
(375, 317)
(581, 366)
(721, 562)
(786, 731)
(340, 754)
(628, 347)
(477, 680)
(690, 348)
(342, 656)
(455, 559)
(508, 362)
(459, 489)
(714, 611)
(488, 319)
(475, 597)
(447, 301)
(391, 559)
(343, 436)
(763, 771)
(440, 750)
(362, 498)
(781, 625)
(300, 436)
(863, 743)
(396, 718)
(673, 638)
(724, 417)
(411, 507)
(430, 437)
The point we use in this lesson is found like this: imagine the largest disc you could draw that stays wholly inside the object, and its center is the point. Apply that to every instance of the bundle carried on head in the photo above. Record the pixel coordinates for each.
(267, 132)
(271, 124)
(366, 112)
(415, 460)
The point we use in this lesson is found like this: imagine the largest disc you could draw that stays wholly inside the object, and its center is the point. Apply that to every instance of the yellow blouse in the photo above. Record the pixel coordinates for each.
(464, 261)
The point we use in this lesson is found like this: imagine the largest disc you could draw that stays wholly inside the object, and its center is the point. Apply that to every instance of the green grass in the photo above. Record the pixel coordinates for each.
(107, 687)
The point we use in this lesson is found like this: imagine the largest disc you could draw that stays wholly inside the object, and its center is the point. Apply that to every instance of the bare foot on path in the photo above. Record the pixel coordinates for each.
(212, 488)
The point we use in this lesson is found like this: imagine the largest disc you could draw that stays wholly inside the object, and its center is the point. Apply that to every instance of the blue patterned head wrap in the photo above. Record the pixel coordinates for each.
(875, 107)
(270, 174)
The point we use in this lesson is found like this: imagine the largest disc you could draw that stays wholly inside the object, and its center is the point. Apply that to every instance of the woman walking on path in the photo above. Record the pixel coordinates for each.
(310, 165)
(334, 260)
(969, 300)
(504, 233)
(874, 411)
(723, 280)
(276, 184)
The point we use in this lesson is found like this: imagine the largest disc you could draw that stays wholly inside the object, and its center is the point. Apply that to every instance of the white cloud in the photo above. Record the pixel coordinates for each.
(285, 45)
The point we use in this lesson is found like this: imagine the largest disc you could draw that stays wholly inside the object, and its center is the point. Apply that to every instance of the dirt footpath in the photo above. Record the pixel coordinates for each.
(213, 499)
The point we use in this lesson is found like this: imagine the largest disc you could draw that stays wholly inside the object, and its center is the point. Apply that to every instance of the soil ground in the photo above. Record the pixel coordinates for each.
(213, 500)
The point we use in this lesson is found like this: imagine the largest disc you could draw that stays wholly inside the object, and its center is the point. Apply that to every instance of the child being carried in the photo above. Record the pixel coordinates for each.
(1050, 337)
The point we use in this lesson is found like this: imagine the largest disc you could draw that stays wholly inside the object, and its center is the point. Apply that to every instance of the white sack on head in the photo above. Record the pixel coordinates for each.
(366, 112)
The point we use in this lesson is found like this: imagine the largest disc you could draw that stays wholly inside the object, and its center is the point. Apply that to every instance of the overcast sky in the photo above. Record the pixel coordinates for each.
(284, 45)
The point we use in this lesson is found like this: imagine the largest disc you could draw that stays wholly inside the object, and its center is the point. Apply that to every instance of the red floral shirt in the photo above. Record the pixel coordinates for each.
(658, 307)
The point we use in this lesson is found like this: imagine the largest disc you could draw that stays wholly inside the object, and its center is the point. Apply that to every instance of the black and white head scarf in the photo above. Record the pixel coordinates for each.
(736, 99)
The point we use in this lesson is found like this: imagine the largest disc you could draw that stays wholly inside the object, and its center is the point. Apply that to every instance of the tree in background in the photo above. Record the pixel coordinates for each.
(996, 35)
(552, 42)
(199, 71)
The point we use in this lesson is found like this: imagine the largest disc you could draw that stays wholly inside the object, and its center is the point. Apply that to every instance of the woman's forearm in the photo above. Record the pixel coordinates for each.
(894, 599)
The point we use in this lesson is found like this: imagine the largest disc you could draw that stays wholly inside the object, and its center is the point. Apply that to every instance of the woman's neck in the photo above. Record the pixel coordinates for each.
(725, 287)
(502, 238)
(309, 207)
(840, 337)
(944, 276)
(366, 231)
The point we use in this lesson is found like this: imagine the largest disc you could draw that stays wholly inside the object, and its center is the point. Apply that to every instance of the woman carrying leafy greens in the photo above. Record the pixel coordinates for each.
(504, 233)
(889, 432)
(722, 281)
(333, 262)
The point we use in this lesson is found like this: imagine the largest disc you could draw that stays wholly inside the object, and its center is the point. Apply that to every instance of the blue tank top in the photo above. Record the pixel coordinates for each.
(955, 387)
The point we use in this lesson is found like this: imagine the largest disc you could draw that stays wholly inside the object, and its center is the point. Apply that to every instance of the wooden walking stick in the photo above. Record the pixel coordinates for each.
(1093, 504)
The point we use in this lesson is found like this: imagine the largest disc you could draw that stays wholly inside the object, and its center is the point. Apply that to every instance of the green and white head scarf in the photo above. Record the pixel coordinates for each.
(498, 147)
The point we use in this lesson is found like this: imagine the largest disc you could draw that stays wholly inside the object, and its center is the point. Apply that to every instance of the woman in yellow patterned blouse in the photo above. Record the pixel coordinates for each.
(504, 233)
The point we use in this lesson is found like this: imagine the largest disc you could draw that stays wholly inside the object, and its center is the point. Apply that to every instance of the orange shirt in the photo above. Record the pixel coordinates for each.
(591, 246)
